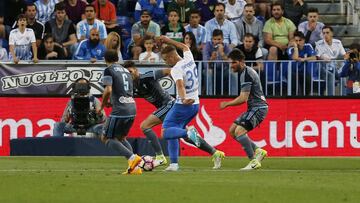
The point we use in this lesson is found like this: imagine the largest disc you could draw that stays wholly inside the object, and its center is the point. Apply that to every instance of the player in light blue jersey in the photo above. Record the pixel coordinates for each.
(185, 75)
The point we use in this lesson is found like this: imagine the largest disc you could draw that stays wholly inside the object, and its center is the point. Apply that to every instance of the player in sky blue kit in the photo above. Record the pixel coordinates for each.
(252, 94)
(119, 86)
(185, 75)
(146, 85)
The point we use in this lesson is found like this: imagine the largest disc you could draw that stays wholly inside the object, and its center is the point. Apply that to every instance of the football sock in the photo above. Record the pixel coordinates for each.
(174, 133)
(127, 144)
(118, 147)
(173, 148)
(203, 145)
(150, 134)
(246, 144)
(253, 145)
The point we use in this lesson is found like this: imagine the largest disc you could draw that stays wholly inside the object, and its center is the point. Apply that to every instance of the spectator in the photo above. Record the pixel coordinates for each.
(106, 12)
(75, 10)
(141, 28)
(278, 32)
(70, 122)
(45, 9)
(183, 8)
(311, 28)
(220, 22)
(149, 56)
(295, 10)
(155, 8)
(234, 9)
(205, 7)
(33, 24)
(252, 52)
(3, 54)
(20, 41)
(84, 26)
(113, 41)
(62, 30)
(301, 53)
(49, 50)
(329, 49)
(216, 50)
(190, 41)
(248, 23)
(91, 49)
(174, 29)
(198, 30)
(351, 70)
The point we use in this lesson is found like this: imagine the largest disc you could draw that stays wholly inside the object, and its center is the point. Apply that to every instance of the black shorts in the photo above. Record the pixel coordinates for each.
(163, 110)
(252, 118)
(117, 127)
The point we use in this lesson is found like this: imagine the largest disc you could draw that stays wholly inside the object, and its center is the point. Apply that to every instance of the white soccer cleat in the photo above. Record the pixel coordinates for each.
(160, 160)
(172, 167)
(253, 164)
(260, 154)
(218, 156)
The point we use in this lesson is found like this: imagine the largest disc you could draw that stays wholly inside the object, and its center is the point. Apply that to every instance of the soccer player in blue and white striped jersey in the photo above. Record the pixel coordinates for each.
(21, 41)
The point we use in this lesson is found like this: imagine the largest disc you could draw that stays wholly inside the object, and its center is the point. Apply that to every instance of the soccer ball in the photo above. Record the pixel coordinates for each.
(147, 163)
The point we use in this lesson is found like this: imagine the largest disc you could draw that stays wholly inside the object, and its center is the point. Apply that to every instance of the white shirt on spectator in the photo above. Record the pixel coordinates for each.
(45, 11)
(22, 43)
(234, 12)
(3, 54)
(154, 58)
(325, 51)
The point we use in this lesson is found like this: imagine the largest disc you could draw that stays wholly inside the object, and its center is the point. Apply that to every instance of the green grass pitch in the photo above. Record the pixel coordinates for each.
(99, 179)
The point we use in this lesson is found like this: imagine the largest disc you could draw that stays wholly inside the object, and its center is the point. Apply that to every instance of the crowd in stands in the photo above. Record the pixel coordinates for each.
(83, 30)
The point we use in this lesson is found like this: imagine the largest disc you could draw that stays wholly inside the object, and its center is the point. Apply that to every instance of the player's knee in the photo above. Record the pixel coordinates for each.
(144, 126)
(232, 132)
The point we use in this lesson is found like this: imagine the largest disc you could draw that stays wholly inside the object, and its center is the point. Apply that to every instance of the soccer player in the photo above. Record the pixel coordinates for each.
(185, 75)
(147, 86)
(252, 94)
(119, 85)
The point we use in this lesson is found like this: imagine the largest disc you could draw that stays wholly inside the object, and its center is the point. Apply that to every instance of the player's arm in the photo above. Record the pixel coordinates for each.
(178, 45)
(242, 98)
(34, 49)
(106, 97)
(180, 86)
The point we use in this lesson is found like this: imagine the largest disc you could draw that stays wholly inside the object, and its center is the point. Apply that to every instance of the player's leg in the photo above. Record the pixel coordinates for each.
(116, 129)
(173, 149)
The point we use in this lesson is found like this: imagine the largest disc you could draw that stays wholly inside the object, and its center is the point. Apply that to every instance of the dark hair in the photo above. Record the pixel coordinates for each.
(192, 37)
(173, 10)
(47, 36)
(129, 64)
(111, 56)
(250, 35)
(277, 3)
(78, 80)
(313, 10)
(217, 32)
(236, 55)
(60, 6)
(219, 4)
(90, 5)
(299, 34)
(148, 37)
(30, 5)
(354, 46)
(328, 27)
(250, 5)
(21, 16)
(145, 12)
(168, 49)
(194, 11)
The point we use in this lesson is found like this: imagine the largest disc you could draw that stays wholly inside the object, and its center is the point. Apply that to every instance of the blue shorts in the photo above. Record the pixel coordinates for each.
(180, 115)
(117, 127)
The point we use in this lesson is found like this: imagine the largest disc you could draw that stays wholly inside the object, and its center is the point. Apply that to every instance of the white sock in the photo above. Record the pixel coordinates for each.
(132, 157)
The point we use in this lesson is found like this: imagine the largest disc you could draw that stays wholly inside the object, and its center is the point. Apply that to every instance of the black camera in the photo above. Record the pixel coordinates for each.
(80, 101)
(353, 55)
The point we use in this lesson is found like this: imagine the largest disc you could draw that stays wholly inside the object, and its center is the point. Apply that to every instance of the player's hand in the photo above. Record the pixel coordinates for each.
(16, 60)
(35, 60)
(188, 101)
(164, 39)
(223, 105)
(93, 60)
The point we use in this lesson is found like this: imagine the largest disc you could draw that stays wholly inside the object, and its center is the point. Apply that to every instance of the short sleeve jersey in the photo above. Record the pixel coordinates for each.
(186, 70)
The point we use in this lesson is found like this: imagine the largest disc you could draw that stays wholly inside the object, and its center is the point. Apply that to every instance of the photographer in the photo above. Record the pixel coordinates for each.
(351, 69)
(80, 113)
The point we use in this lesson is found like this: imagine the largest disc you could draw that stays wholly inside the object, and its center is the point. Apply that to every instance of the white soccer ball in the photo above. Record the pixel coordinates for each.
(147, 163)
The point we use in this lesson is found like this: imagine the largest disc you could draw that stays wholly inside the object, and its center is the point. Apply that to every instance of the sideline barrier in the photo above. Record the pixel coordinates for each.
(293, 127)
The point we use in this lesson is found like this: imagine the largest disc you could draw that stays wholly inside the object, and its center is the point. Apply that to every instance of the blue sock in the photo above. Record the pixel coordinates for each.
(173, 148)
(174, 133)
